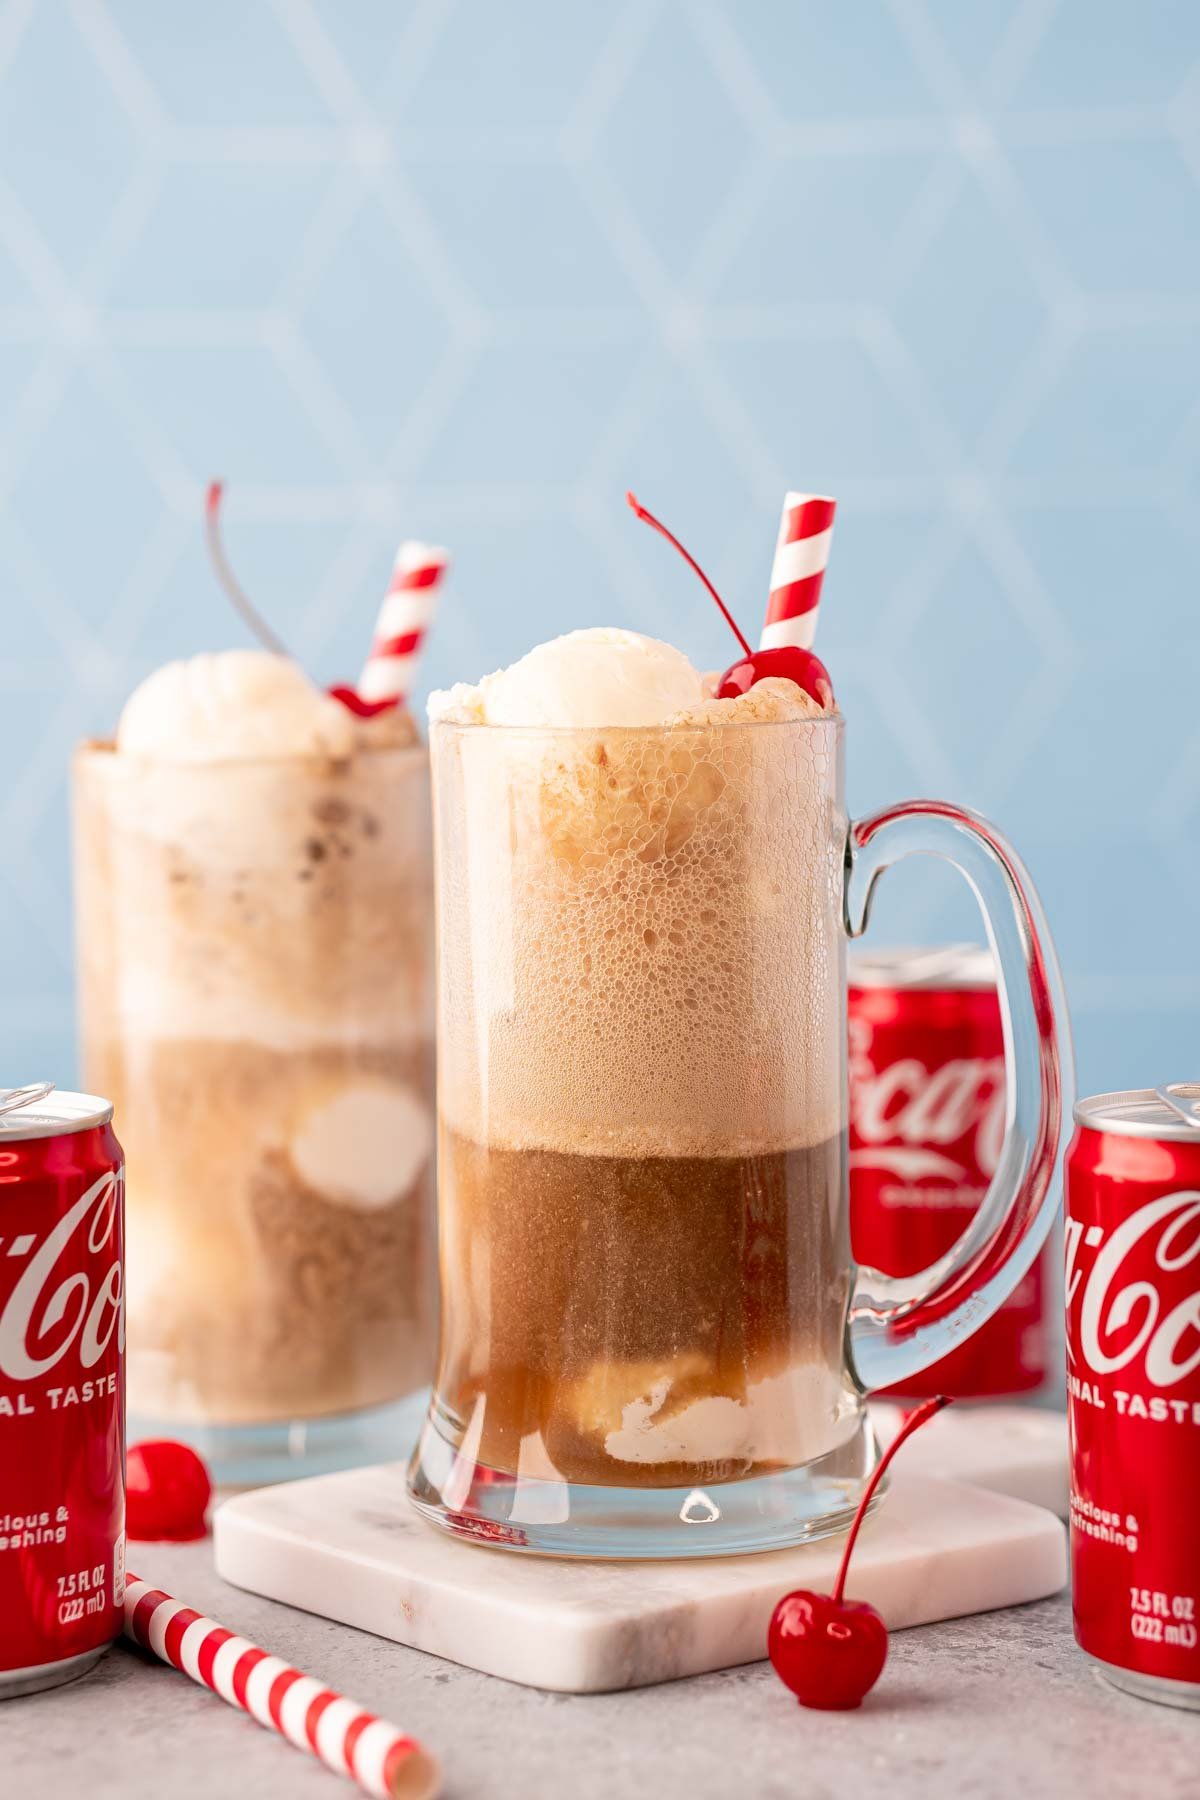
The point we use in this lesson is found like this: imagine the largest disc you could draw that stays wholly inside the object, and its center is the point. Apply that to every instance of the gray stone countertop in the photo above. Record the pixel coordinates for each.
(997, 1705)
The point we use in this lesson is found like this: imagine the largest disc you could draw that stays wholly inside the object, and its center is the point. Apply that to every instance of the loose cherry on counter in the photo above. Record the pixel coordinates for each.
(830, 1651)
(788, 661)
(167, 1491)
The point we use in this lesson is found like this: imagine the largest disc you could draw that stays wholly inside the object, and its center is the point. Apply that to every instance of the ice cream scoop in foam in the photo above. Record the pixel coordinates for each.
(599, 677)
(240, 703)
(364, 1145)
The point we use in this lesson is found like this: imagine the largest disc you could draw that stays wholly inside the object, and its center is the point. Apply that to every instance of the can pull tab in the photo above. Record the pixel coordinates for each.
(1183, 1098)
(13, 1098)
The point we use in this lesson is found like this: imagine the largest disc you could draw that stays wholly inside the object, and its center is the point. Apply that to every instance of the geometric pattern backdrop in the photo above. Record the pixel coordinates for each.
(466, 271)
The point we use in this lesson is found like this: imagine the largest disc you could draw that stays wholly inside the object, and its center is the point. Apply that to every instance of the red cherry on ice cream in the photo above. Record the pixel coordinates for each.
(353, 700)
(789, 663)
(167, 1491)
(829, 1650)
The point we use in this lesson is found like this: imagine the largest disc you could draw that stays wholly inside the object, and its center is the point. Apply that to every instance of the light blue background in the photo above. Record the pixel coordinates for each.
(463, 270)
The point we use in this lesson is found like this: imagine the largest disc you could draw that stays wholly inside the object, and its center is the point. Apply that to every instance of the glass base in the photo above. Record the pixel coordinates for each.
(257, 1455)
(560, 1518)
(1151, 1687)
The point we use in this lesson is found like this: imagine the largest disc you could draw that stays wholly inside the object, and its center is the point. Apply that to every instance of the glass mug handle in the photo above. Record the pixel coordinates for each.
(900, 1326)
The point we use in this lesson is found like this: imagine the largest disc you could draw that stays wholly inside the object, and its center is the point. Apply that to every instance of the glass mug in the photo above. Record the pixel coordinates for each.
(654, 1338)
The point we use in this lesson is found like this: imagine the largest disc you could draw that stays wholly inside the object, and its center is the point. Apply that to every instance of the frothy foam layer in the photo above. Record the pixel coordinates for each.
(256, 860)
(278, 902)
(641, 934)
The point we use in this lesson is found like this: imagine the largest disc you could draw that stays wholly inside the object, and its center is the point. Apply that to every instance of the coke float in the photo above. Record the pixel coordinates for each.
(655, 1340)
(1133, 1386)
(252, 905)
(62, 1393)
(927, 1110)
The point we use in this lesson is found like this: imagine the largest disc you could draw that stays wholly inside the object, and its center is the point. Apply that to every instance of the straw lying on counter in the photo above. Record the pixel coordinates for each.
(343, 1735)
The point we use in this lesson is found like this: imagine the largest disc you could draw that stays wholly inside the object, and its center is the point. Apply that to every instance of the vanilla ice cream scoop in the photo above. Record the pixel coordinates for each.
(595, 678)
(240, 703)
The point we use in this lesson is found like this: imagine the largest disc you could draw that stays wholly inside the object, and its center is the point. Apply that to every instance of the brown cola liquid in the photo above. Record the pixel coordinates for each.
(650, 1321)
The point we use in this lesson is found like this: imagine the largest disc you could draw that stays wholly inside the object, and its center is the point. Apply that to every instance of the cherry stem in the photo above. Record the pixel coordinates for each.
(918, 1417)
(648, 518)
(229, 580)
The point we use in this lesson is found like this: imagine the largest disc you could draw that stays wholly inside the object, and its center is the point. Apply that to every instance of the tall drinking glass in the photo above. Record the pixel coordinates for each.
(655, 1341)
(255, 967)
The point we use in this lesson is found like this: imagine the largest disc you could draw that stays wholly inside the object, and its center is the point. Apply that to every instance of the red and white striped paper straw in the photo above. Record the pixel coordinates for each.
(404, 617)
(801, 553)
(346, 1738)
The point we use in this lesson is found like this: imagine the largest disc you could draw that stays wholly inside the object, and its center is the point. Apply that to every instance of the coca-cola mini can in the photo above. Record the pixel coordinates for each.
(62, 1394)
(926, 1126)
(1132, 1240)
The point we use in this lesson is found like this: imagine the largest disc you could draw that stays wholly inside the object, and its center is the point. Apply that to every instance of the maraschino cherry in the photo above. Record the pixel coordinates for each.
(830, 1651)
(167, 1491)
(788, 661)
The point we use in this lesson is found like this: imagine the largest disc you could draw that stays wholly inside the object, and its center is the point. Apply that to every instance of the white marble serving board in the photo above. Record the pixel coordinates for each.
(1016, 1450)
(351, 1548)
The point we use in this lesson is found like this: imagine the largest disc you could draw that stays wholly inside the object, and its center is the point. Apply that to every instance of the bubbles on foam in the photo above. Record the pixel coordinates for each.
(282, 902)
(773, 701)
(652, 926)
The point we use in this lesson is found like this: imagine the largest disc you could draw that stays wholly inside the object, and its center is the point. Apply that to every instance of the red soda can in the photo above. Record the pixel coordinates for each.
(62, 1386)
(926, 1126)
(1132, 1241)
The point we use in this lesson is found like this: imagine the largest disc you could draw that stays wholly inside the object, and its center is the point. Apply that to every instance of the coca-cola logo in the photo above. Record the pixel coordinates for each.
(900, 1113)
(1128, 1303)
(56, 1304)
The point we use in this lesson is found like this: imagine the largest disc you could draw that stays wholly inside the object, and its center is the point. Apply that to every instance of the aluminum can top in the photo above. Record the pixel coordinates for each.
(44, 1111)
(1170, 1114)
(908, 966)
